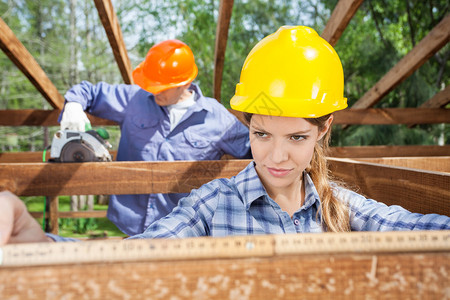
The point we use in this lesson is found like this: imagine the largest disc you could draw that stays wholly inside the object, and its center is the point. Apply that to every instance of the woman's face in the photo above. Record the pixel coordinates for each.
(282, 148)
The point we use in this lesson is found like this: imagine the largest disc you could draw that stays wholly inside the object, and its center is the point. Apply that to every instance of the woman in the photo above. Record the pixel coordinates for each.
(291, 83)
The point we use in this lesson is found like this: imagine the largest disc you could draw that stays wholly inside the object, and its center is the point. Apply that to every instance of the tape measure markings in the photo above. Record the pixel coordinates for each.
(224, 247)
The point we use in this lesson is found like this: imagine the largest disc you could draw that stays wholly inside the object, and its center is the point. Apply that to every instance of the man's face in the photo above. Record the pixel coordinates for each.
(170, 96)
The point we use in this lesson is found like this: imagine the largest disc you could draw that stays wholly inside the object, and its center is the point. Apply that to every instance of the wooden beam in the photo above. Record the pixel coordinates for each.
(388, 151)
(39, 117)
(342, 152)
(53, 214)
(112, 27)
(33, 179)
(223, 23)
(252, 267)
(31, 157)
(36, 117)
(392, 116)
(428, 46)
(441, 99)
(341, 16)
(396, 185)
(73, 214)
(20, 56)
(418, 191)
(438, 164)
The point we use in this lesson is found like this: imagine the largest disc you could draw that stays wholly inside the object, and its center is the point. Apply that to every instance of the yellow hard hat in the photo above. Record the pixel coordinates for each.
(292, 73)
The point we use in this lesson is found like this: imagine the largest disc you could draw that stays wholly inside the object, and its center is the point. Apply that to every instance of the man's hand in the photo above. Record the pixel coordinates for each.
(74, 118)
(16, 224)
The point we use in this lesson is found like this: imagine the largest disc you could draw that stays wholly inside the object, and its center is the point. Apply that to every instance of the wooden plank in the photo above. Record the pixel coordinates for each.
(388, 151)
(339, 19)
(254, 267)
(441, 99)
(53, 214)
(396, 185)
(96, 178)
(36, 117)
(439, 164)
(39, 117)
(342, 152)
(30, 157)
(378, 116)
(418, 191)
(223, 23)
(428, 46)
(20, 56)
(112, 28)
(73, 214)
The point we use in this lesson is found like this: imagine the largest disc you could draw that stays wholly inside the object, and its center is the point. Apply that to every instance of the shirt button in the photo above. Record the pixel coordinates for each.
(296, 222)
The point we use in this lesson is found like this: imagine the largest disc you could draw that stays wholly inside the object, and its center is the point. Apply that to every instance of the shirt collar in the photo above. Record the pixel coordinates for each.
(249, 185)
(202, 102)
(311, 194)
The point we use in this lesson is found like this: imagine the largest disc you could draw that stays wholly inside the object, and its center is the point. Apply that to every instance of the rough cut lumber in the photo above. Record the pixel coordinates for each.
(388, 151)
(253, 267)
(342, 152)
(441, 99)
(39, 117)
(428, 46)
(112, 27)
(439, 164)
(396, 185)
(73, 214)
(20, 56)
(341, 16)
(418, 191)
(30, 157)
(223, 23)
(378, 116)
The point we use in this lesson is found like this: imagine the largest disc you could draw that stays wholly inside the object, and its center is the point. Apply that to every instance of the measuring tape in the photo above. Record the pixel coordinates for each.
(224, 247)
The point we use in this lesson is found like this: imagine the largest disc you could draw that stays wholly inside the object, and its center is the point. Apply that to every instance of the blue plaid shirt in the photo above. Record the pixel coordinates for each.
(241, 206)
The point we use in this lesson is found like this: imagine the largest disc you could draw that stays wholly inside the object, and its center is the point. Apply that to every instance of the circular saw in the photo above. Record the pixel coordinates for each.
(77, 146)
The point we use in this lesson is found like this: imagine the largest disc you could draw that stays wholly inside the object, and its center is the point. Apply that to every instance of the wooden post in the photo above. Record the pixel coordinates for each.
(53, 214)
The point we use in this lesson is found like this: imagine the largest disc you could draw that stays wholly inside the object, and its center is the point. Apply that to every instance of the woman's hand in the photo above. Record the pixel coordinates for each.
(16, 224)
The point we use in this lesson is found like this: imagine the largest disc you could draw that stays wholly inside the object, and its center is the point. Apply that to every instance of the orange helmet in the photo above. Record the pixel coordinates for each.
(167, 64)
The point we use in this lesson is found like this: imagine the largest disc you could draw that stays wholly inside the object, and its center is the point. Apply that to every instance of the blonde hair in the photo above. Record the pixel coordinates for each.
(335, 213)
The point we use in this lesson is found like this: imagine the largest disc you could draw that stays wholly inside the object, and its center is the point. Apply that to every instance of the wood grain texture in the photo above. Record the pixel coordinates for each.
(429, 45)
(441, 99)
(223, 23)
(341, 16)
(112, 28)
(36, 117)
(40, 117)
(388, 151)
(113, 177)
(364, 276)
(342, 152)
(416, 190)
(26, 63)
(439, 164)
(380, 116)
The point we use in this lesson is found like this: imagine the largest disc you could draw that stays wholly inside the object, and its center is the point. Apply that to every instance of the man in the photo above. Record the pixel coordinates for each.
(164, 117)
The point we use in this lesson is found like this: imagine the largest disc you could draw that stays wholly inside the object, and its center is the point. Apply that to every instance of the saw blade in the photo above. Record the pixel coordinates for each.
(77, 151)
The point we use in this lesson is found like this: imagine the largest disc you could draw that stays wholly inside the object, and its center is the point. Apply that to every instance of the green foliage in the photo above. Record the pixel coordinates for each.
(378, 36)
(80, 228)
